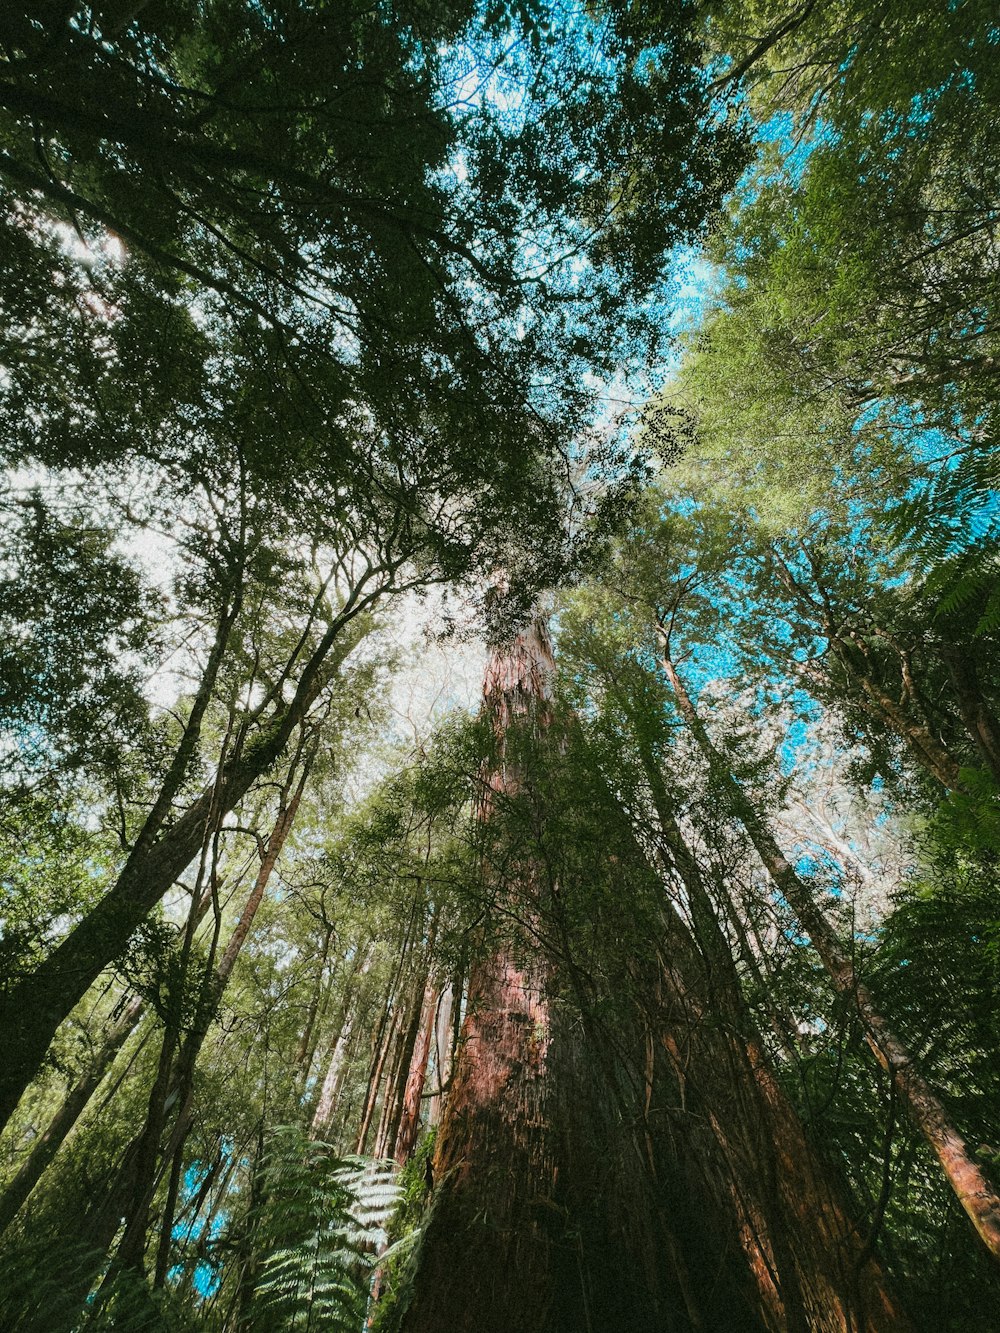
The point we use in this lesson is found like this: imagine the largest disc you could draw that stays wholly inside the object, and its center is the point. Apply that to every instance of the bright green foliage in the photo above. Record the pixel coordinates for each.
(861, 295)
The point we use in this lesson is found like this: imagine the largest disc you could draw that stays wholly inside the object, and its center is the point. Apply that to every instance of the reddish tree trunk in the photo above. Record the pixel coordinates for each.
(537, 1220)
(379, 1057)
(805, 1253)
(577, 1188)
(395, 1083)
(752, 1158)
(409, 1125)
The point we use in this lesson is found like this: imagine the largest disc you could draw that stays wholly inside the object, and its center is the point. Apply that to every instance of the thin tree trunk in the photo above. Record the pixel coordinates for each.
(966, 1177)
(323, 1114)
(169, 1209)
(34, 1006)
(385, 1036)
(379, 1058)
(925, 746)
(181, 1091)
(396, 1086)
(173, 1087)
(315, 1011)
(395, 1080)
(409, 1124)
(442, 1052)
(325, 1105)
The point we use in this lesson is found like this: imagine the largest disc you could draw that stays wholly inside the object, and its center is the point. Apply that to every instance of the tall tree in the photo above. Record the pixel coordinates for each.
(376, 312)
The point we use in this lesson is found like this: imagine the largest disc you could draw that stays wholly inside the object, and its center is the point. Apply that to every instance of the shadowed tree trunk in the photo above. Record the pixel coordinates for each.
(542, 1217)
(748, 1154)
(871, 694)
(978, 717)
(806, 1255)
(643, 1174)
(399, 1072)
(177, 1090)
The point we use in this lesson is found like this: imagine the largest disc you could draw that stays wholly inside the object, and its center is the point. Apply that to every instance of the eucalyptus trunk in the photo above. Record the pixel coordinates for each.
(542, 1217)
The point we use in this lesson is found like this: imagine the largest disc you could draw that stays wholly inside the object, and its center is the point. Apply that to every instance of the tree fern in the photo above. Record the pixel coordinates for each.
(316, 1234)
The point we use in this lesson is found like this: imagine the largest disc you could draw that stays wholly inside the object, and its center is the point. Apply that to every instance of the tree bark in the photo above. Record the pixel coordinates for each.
(966, 1177)
(395, 1081)
(538, 1219)
(443, 1032)
(409, 1124)
(387, 1043)
(180, 1085)
(805, 1254)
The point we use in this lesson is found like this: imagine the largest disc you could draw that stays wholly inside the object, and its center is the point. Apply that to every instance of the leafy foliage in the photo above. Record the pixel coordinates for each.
(316, 1234)
(309, 308)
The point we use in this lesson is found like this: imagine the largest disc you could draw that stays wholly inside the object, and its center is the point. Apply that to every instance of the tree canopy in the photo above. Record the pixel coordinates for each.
(499, 704)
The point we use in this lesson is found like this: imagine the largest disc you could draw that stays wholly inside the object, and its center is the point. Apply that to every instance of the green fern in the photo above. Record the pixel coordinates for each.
(316, 1234)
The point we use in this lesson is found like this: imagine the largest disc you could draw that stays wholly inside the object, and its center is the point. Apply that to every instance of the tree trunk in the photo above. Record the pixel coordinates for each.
(74, 1104)
(395, 1080)
(538, 1220)
(966, 1177)
(35, 1005)
(924, 745)
(323, 1114)
(807, 1259)
(751, 1154)
(180, 1084)
(409, 1124)
(380, 1055)
(315, 1012)
(443, 1042)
